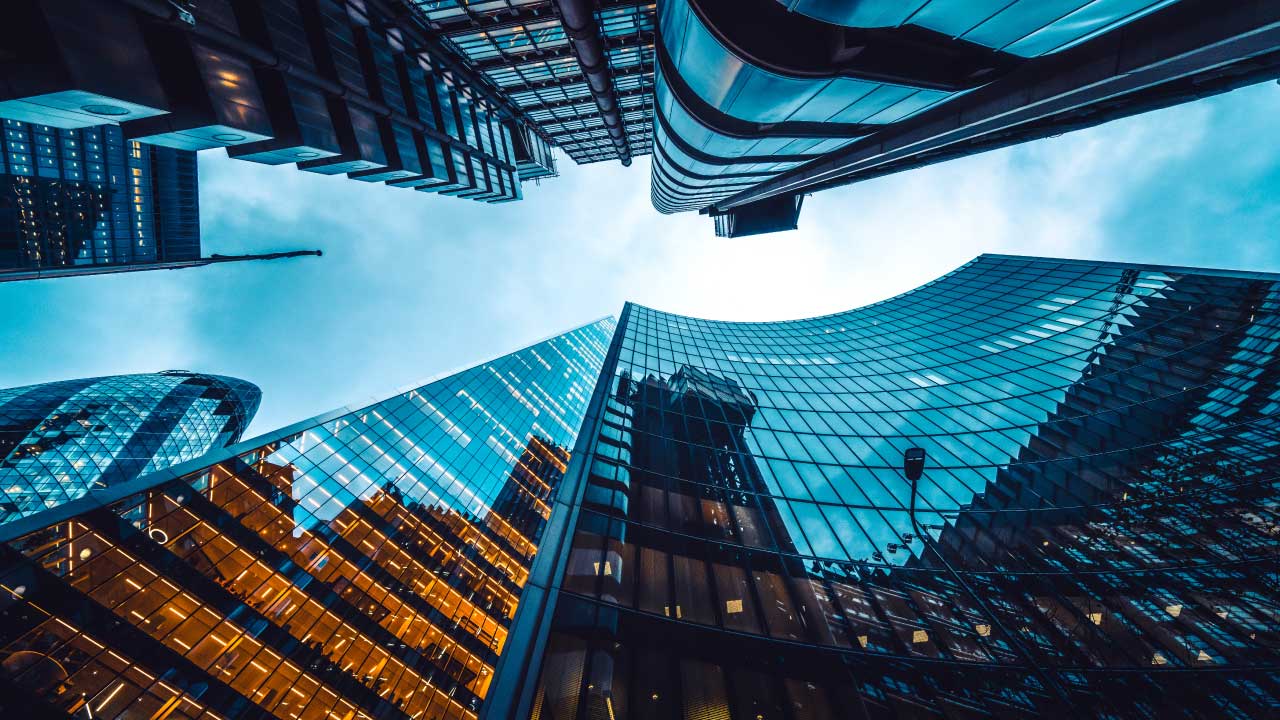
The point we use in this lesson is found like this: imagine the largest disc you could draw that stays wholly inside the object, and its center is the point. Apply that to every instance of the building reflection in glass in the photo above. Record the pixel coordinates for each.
(365, 564)
(1102, 444)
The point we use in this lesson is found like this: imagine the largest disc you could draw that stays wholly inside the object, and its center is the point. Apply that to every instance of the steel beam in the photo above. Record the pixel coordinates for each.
(556, 105)
(560, 51)
(579, 19)
(506, 19)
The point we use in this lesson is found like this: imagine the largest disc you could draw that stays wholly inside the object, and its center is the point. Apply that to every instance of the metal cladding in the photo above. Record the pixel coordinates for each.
(362, 564)
(762, 99)
(1092, 532)
(336, 86)
(60, 440)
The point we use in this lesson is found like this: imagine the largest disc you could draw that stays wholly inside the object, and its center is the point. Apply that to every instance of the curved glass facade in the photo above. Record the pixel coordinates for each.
(363, 564)
(751, 94)
(60, 440)
(1023, 27)
(697, 161)
(1094, 533)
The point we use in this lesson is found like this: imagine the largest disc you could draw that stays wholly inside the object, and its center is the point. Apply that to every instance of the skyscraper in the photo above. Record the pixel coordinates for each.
(738, 532)
(746, 105)
(1094, 535)
(72, 198)
(336, 86)
(365, 563)
(760, 102)
(62, 439)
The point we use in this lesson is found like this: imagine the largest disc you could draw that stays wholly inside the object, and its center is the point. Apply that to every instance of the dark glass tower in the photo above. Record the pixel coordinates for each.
(355, 87)
(60, 440)
(1094, 535)
(76, 200)
(363, 564)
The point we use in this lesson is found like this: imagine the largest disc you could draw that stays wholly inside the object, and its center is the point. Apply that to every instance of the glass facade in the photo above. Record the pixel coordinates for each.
(364, 564)
(761, 99)
(60, 440)
(88, 196)
(736, 106)
(1094, 533)
(1023, 27)
(738, 101)
(521, 46)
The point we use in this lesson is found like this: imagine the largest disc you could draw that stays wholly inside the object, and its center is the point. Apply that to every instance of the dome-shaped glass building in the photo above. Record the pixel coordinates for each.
(59, 440)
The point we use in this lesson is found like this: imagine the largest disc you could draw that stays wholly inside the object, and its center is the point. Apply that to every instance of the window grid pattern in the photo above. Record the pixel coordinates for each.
(84, 197)
(60, 440)
(541, 73)
(1097, 513)
(366, 565)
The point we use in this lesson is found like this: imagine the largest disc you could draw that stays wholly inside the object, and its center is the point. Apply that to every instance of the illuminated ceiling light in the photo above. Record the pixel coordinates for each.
(983, 630)
(1204, 657)
(1095, 618)
(85, 553)
(1173, 610)
(1158, 659)
(919, 636)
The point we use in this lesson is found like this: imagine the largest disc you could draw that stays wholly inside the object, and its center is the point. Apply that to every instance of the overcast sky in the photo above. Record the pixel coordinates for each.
(413, 284)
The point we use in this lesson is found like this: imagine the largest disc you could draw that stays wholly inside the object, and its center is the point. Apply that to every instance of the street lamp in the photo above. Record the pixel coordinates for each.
(913, 467)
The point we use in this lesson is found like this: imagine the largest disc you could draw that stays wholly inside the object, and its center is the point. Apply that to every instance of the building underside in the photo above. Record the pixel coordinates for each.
(748, 105)
(745, 106)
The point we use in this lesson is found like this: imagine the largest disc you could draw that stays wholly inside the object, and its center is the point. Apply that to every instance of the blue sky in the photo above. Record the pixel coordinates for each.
(413, 284)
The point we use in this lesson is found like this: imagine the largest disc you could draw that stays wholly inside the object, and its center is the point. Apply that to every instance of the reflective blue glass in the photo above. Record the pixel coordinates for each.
(60, 440)
(363, 564)
(1101, 459)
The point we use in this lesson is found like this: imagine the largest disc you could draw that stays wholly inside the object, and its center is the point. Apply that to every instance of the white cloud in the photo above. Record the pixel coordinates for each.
(413, 283)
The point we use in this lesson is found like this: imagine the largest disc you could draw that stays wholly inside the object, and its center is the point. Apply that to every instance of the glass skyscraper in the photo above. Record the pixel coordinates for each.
(1029, 488)
(1094, 534)
(746, 105)
(760, 102)
(71, 198)
(362, 564)
(59, 440)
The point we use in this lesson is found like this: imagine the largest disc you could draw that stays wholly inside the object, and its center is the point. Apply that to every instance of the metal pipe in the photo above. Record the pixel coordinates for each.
(1044, 677)
(579, 20)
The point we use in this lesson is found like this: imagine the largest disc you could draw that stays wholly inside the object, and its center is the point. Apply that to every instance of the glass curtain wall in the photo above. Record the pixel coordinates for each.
(62, 439)
(365, 564)
(1095, 532)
